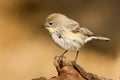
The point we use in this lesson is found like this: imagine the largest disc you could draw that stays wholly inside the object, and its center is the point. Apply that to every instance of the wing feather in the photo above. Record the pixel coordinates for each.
(74, 27)
(86, 32)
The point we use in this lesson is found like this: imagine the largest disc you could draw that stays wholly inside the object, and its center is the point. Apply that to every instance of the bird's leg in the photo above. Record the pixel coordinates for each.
(76, 56)
(62, 55)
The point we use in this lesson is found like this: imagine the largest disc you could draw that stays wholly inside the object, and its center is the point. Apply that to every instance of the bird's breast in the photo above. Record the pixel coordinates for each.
(67, 41)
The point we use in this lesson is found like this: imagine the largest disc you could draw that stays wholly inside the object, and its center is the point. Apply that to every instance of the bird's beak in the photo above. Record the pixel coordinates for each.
(46, 27)
(42, 26)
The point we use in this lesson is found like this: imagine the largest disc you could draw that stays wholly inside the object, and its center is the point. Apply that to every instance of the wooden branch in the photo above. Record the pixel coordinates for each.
(70, 70)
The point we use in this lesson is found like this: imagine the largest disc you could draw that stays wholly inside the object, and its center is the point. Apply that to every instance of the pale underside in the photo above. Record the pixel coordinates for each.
(68, 34)
(68, 40)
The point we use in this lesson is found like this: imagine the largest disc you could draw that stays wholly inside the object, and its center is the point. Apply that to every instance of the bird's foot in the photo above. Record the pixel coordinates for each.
(60, 58)
(73, 62)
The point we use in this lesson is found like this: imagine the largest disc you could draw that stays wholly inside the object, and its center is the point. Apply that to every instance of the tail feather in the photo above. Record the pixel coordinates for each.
(101, 38)
(96, 37)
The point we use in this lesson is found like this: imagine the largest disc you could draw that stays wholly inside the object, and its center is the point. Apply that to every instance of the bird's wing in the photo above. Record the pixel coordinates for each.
(74, 27)
(86, 32)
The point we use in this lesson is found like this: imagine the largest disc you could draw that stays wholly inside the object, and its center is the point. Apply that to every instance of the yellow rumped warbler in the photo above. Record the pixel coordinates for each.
(67, 33)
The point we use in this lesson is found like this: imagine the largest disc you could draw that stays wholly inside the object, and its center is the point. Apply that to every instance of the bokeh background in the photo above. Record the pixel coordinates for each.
(27, 51)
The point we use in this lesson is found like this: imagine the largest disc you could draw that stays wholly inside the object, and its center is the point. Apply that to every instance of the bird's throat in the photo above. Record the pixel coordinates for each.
(49, 29)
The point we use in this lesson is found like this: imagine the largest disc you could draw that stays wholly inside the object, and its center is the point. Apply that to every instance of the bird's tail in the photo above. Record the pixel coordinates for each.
(97, 37)
(101, 38)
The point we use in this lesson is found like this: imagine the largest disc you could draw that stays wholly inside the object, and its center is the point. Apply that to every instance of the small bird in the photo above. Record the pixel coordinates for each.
(68, 34)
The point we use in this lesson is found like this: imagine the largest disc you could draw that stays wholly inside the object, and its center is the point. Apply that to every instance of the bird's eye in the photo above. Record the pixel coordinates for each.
(51, 23)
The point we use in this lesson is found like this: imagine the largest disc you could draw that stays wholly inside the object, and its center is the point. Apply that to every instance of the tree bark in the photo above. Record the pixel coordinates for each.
(70, 70)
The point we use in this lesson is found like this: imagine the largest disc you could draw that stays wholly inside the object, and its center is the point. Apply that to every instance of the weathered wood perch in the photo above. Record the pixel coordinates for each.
(70, 70)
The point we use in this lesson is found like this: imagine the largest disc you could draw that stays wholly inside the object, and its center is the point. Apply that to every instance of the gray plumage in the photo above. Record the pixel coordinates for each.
(67, 33)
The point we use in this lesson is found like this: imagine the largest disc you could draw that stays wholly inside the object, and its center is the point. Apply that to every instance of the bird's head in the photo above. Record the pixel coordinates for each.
(54, 21)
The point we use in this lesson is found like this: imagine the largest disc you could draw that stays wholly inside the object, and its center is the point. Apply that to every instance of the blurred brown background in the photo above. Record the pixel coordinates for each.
(27, 52)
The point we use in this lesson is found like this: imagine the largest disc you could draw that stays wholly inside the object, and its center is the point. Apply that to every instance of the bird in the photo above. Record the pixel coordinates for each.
(68, 34)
